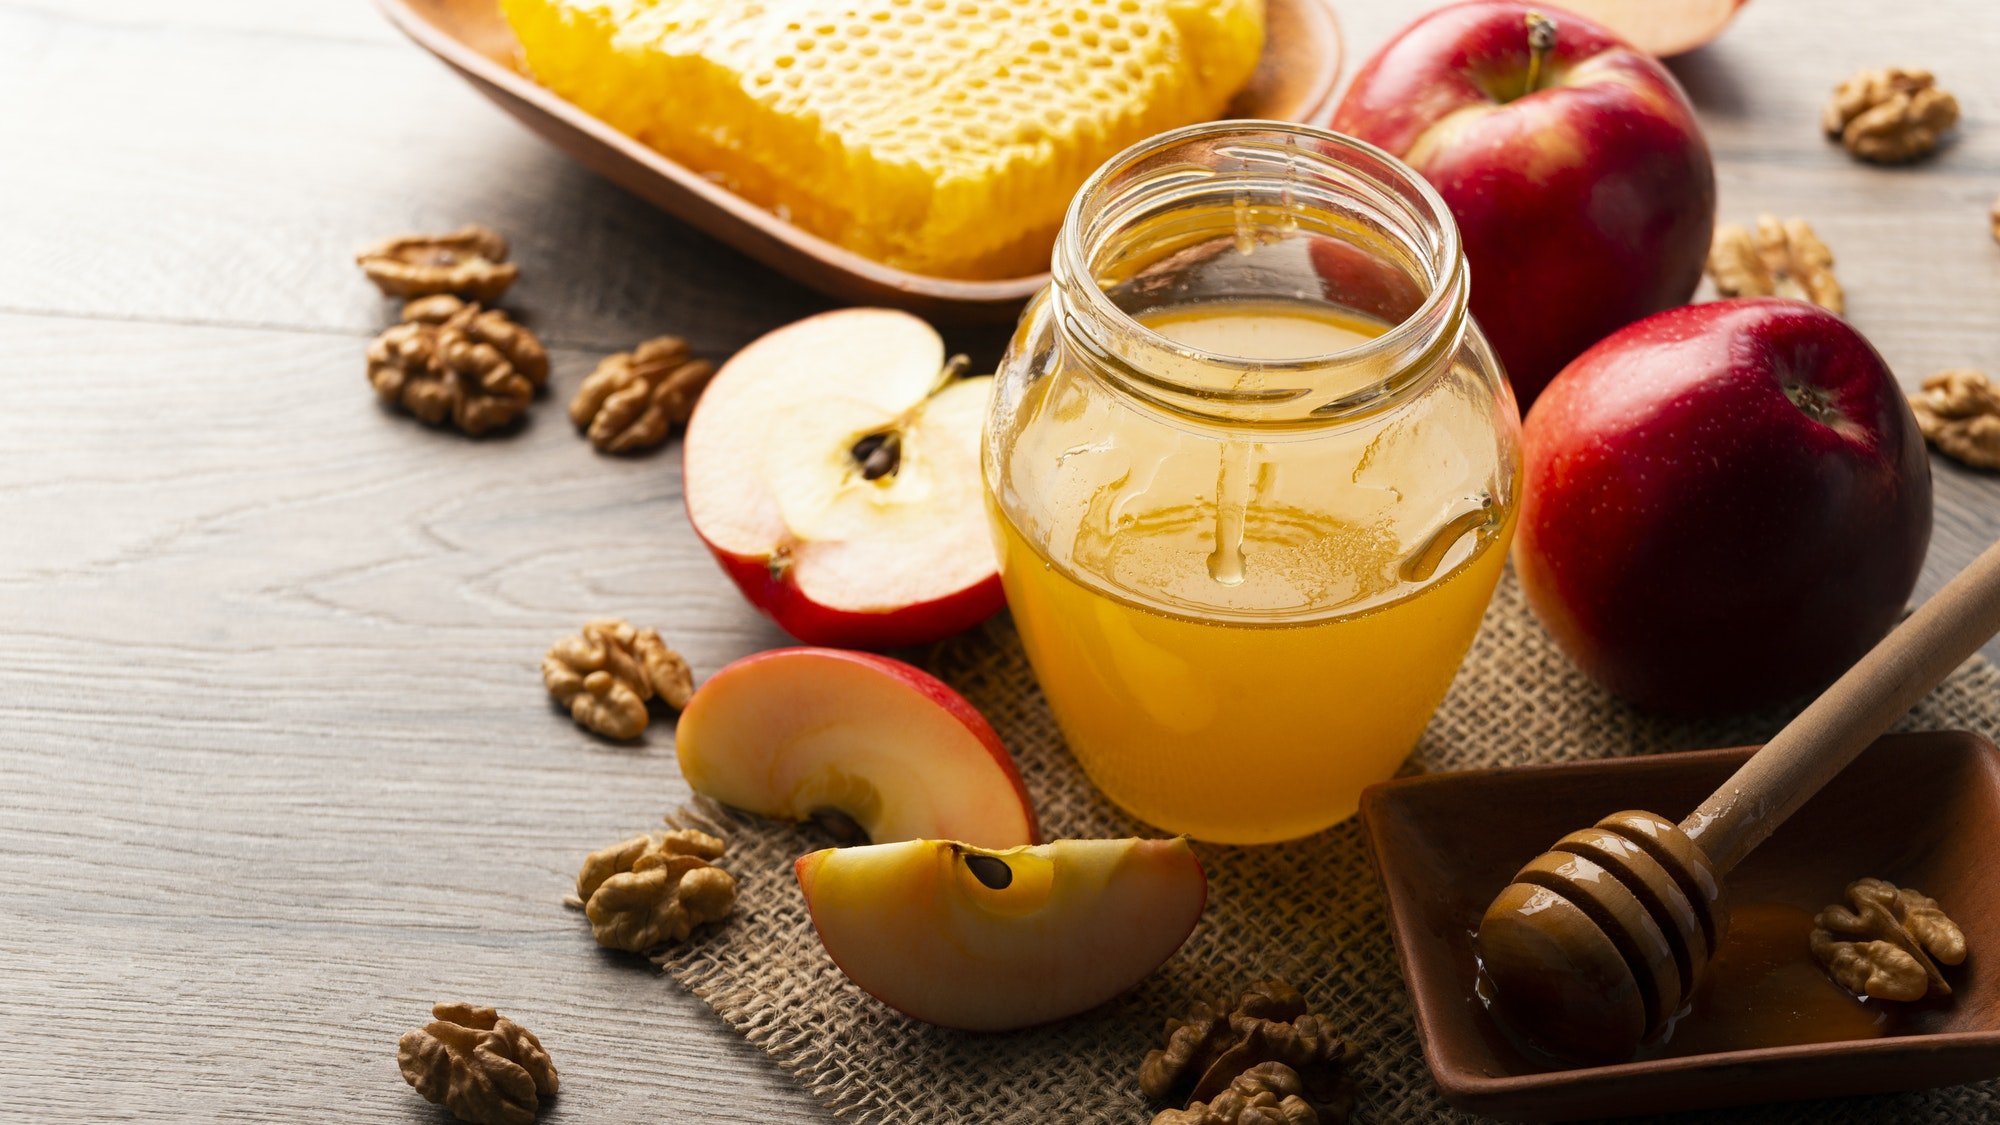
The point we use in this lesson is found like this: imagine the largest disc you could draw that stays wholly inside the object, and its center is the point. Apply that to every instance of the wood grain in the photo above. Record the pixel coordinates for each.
(275, 766)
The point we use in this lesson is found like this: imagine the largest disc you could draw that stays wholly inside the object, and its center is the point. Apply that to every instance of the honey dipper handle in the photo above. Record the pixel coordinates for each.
(1854, 712)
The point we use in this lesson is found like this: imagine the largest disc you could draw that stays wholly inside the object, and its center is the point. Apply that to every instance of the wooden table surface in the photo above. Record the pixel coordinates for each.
(276, 767)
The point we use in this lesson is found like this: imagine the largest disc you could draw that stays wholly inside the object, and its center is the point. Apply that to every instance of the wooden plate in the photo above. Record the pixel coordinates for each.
(1294, 81)
(1921, 810)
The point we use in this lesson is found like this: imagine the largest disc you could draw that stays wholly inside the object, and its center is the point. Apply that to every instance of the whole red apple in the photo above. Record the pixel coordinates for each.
(1580, 181)
(1724, 505)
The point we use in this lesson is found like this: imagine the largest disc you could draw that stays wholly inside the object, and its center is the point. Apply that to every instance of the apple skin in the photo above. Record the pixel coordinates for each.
(1695, 540)
(1582, 206)
(707, 767)
(778, 598)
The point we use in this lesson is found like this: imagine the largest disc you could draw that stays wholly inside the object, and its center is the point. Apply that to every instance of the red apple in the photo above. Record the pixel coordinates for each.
(1723, 505)
(832, 467)
(798, 733)
(1661, 27)
(1580, 181)
(997, 940)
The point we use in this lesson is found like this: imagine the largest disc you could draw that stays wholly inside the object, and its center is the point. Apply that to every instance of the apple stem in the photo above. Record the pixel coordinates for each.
(1541, 40)
(953, 368)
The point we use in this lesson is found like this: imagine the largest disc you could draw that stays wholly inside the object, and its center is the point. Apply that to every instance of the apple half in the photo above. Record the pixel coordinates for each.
(832, 467)
(1660, 27)
(996, 940)
(852, 739)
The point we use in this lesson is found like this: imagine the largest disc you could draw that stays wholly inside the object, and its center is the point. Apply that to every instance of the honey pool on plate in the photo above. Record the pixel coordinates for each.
(1761, 989)
(1168, 635)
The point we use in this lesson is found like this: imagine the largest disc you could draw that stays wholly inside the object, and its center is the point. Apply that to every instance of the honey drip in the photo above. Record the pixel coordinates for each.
(1232, 496)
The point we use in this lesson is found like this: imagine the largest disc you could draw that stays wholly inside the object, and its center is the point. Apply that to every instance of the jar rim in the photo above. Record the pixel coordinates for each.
(1444, 272)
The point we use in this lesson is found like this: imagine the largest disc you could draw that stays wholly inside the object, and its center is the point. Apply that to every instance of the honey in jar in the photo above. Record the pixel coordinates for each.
(1252, 469)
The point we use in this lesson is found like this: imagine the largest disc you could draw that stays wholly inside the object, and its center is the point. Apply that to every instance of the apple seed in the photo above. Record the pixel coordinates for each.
(991, 871)
(879, 454)
(844, 829)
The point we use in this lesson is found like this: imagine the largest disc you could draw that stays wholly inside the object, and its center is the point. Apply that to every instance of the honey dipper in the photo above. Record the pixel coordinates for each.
(1598, 942)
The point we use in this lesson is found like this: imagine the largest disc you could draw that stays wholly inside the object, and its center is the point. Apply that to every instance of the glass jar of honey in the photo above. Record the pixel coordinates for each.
(1252, 470)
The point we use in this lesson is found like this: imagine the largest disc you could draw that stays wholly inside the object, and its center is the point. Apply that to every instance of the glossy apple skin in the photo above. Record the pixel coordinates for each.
(924, 684)
(815, 624)
(1697, 542)
(1583, 206)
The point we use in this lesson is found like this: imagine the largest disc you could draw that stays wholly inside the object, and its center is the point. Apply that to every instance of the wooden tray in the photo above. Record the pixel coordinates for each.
(1921, 810)
(1295, 80)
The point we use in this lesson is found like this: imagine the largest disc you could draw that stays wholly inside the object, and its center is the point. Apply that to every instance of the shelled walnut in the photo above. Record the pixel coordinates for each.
(635, 398)
(606, 674)
(1889, 116)
(1205, 1053)
(650, 890)
(484, 1068)
(1266, 1094)
(1887, 942)
(470, 261)
(453, 360)
(1959, 412)
(1779, 259)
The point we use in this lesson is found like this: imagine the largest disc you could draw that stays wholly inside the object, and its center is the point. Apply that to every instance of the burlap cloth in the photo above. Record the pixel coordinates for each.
(1310, 911)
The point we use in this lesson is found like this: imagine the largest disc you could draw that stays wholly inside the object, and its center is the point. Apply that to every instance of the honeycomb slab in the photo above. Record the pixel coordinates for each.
(942, 136)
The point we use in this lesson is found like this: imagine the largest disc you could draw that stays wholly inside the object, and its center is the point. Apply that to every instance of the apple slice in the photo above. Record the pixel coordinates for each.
(997, 940)
(832, 466)
(821, 733)
(1660, 27)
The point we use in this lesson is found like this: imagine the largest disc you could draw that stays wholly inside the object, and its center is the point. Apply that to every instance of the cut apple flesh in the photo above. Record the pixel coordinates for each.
(992, 941)
(798, 733)
(772, 475)
(1659, 27)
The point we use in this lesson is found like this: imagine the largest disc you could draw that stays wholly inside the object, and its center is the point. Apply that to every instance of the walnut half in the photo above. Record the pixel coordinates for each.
(1266, 1094)
(1887, 942)
(606, 674)
(1206, 1053)
(1959, 412)
(470, 261)
(483, 1067)
(1890, 116)
(651, 890)
(635, 398)
(1779, 259)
